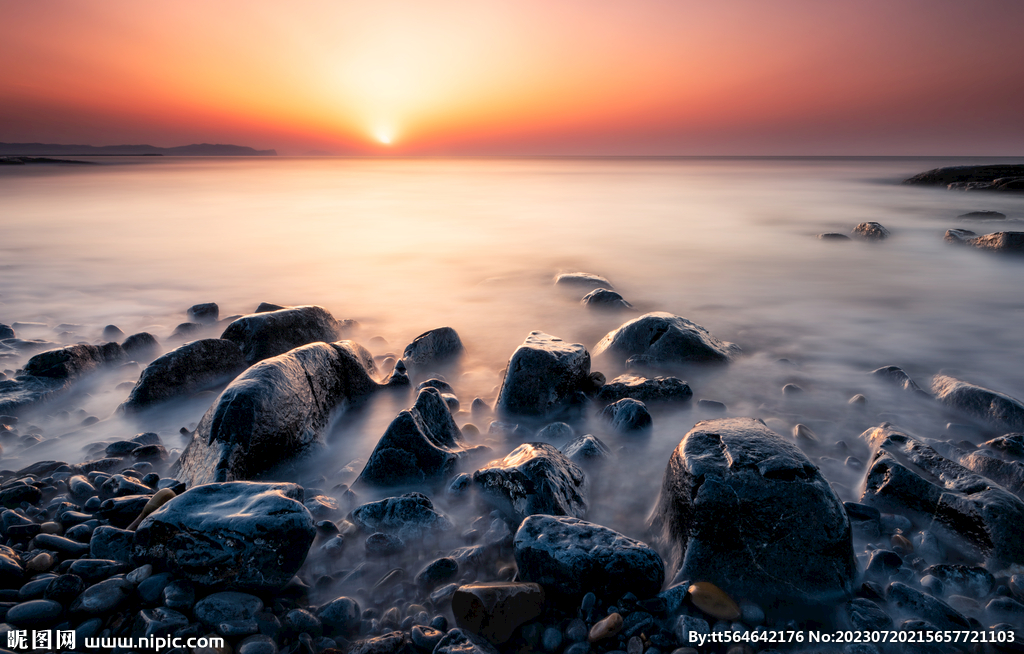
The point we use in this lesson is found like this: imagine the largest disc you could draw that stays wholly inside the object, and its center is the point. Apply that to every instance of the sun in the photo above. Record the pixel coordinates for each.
(384, 136)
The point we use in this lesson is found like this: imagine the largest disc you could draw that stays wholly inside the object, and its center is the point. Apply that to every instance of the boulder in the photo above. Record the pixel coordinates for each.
(421, 446)
(958, 236)
(495, 610)
(193, 367)
(627, 416)
(999, 241)
(545, 379)
(661, 339)
(141, 347)
(745, 509)
(962, 509)
(232, 536)
(203, 313)
(586, 449)
(982, 215)
(909, 602)
(268, 334)
(112, 333)
(410, 517)
(1008, 474)
(899, 377)
(437, 347)
(602, 298)
(6, 332)
(278, 408)
(571, 557)
(582, 280)
(534, 478)
(951, 174)
(51, 373)
(871, 231)
(658, 389)
(997, 409)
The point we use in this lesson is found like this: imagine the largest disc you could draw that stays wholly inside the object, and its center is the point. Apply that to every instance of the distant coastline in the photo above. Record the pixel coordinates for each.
(194, 150)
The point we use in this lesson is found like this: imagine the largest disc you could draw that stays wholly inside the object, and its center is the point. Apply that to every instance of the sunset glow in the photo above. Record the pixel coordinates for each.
(530, 77)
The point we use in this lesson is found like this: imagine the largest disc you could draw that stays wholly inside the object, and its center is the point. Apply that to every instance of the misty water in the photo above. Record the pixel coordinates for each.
(406, 245)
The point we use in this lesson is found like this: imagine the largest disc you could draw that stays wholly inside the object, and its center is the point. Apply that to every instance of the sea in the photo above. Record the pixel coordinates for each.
(403, 245)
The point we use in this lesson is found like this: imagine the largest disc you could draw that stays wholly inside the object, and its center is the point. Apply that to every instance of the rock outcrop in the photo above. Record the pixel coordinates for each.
(545, 379)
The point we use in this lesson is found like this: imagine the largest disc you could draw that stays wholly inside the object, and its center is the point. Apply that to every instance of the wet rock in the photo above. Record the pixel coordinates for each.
(437, 572)
(34, 613)
(460, 641)
(426, 638)
(65, 547)
(606, 628)
(269, 334)
(863, 614)
(899, 377)
(64, 589)
(1011, 445)
(203, 313)
(1008, 474)
(604, 299)
(339, 617)
(410, 517)
(112, 333)
(226, 606)
(627, 416)
(662, 339)
(495, 610)
(93, 570)
(51, 373)
(238, 535)
(421, 446)
(833, 236)
(999, 242)
(570, 557)
(103, 598)
(1005, 609)
(871, 231)
(582, 280)
(545, 378)
(865, 520)
(158, 622)
(141, 347)
(535, 478)
(586, 449)
(963, 580)
(381, 544)
(12, 497)
(6, 332)
(437, 347)
(185, 331)
(713, 601)
(958, 236)
(729, 488)
(658, 389)
(963, 509)
(189, 369)
(281, 405)
(909, 602)
(997, 409)
(965, 174)
(982, 215)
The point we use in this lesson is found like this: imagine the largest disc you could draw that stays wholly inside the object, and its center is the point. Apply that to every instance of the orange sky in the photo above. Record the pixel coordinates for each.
(646, 77)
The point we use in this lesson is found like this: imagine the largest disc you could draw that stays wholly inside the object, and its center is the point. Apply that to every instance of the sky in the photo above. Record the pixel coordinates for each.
(519, 77)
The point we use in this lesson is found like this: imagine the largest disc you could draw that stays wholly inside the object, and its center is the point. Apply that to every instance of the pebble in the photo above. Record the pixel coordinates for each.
(35, 613)
(605, 629)
(551, 639)
(103, 598)
(40, 563)
(381, 544)
(226, 607)
(426, 638)
(578, 648)
(714, 601)
(140, 574)
(257, 644)
(179, 595)
(64, 589)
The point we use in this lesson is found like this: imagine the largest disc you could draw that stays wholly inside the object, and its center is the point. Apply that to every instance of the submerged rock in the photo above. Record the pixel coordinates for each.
(233, 536)
(959, 236)
(191, 368)
(899, 377)
(410, 517)
(743, 508)
(658, 389)
(582, 280)
(495, 610)
(50, 373)
(871, 231)
(268, 334)
(999, 241)
(602, 298)
(203, 313)
(545, 378)
(434, 348)
(664, 339)
(627, 416)
(586, 449)
(833, 236)
(141, 347)
(422, 445)
(952, 174)
(997, 409)
(278, 408)
(572, 557)
(982, 215)
(535, 478)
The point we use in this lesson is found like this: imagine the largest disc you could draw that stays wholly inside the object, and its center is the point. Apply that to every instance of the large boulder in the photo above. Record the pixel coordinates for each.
(535, 478)
(965, 510)
(657, 389)
(999, 241)
(422, 445)
(276, 409)
(50, 373)
(265, 335)
(997, 409)
(662, 339)
(572, 557)
(744, 509)
(434, 348)
(191, 368)
(232, 536)
(545, 378)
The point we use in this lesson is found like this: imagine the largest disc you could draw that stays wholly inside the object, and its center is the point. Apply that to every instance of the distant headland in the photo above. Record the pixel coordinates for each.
(194, 150)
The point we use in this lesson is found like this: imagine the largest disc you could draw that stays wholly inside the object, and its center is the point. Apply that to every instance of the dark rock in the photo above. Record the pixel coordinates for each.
(63, 546)
(628, 416)
(426, 638)
(265, 307)
(381, 544)
(339, 617)
(586, 449)
(460, 641)
(863, 614)
(909, 602)
(396, 642)
(658, 389)
(999, 242)
(865, 519)
(959, 236)
(535, 478)
(122, 511)
(410, 517)
(899, 377)
(437, 347)
(1008, 474)
(952, 174)
(6, 332)
(103, 598)
(438, 571)
(982, 215)
(141, 347)
(602, 298)
(281, 405)
(421, 446)
(152, 589)
(963, 580)
(712, 405)
(238, 535)
(871, 231)
(571, 557)
(180, 595)
(269, 334)
(203, 313)
(728, 487)
(1011, 445)
(35, 613)
(158, 622)
(112, 333)
(662, 339)
(495, 610)
(962, 509)
(73, 361)
(12, 497)
(222, 607)
(1004, 609)
(93, 570)
(582, 280)
(187, 370)
(545, 378)
(833, 236)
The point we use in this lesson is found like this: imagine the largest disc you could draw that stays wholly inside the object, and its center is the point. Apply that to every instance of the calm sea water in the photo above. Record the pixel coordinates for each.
(403, 246)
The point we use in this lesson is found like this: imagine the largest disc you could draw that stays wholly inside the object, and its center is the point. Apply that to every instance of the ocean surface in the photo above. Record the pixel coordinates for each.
(406, 245)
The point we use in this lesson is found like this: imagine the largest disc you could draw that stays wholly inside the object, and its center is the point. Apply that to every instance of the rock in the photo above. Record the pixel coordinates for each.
(863, 614)
(141, 347)
(269, 334)
(11, 571)
(410, 517)
(606, 628)
(571, 557)
(712, 405)
(555, 432)
(909, 602)
(381, 544)
(952, 174)
(833, 236)
(265, 307)
(899, 377)
(339, 617)
(34, 613)
(460, 641)
(203, 313)
(421, 446)
(1008, 474)
(437, 572)
(185, 331)
(604, 299)
(871, 231)
(437, 347)
(628, 416)
(395, 642)
(64, 589)
(189, 369)
(586, 449)
(712, 600)
(51, 373)
(225, 606)
(662, 339)
(103, 598)
(963, 580)
(495, 610)
(535, 478)
(745, 509)
(982, 215)
(238, 535)
(93, 570)
(582, 280)
(281, 405)
(658, 389)
(6, 332)
(112, 333)
(964, 510)
(999, 241)
(545, 379)
(958, 236)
